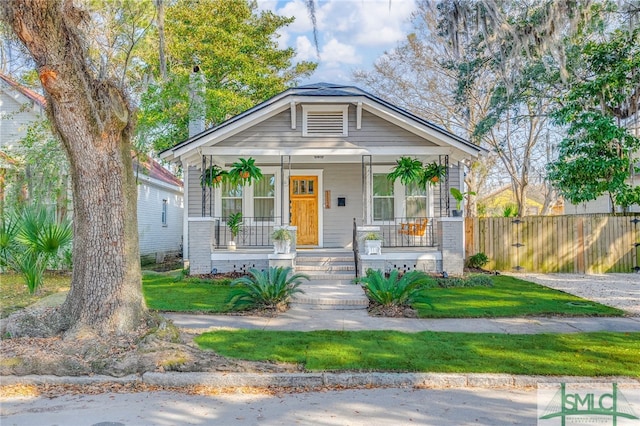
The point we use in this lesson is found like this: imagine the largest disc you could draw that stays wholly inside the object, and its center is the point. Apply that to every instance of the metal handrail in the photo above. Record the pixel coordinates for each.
(354, 244)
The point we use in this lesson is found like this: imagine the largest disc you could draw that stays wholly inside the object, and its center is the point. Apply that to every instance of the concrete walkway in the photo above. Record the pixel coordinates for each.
(298, 319)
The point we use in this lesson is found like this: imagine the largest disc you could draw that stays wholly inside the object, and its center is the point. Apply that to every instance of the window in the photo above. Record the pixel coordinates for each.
(416, 200)
(325, 120)
(231, 199)
(264, 198)
(164, 212)
(383, 202)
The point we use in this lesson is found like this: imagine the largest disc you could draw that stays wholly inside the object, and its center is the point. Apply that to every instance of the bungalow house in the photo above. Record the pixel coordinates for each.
(160, 203)
(324, 151)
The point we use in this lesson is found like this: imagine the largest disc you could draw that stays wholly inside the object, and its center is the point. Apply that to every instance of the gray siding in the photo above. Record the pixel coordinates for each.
(276, 132)
(195, 192)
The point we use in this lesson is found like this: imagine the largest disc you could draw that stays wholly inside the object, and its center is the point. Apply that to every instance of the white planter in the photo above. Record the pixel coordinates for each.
(373, 247)
(231, 245)
(283, 247)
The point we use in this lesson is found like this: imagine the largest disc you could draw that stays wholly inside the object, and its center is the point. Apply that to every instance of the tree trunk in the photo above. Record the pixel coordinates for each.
(161, 42)
(93, 120)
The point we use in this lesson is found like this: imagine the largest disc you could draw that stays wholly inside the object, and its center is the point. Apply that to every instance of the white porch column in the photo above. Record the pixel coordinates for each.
(451, 244)
(185, 213)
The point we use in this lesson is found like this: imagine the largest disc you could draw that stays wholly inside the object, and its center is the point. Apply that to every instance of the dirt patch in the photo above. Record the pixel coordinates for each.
(376, 310)
(161, 348)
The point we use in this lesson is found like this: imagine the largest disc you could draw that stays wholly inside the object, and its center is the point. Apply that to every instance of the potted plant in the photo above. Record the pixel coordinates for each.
(432, 173)
(212, 176)
(373, 243)
(234, 222)
(244, 171)
(459, 196)
(281, 240)
(407, 169)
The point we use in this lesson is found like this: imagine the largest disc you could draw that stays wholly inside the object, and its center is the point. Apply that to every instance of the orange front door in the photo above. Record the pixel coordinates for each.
(303, 198)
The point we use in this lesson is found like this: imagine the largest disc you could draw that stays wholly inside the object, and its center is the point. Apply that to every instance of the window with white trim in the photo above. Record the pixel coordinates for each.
(383, 198)
(325, 120)
(164, 212)
(264, 198)
(231, 199)
(415, 200)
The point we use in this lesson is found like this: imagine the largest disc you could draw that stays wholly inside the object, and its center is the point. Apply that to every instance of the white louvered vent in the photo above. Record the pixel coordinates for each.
(325, 120)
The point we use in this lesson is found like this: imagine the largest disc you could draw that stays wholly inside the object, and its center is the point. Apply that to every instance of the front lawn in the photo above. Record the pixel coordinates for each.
(509, 297)
(170, 292)
(579, 354)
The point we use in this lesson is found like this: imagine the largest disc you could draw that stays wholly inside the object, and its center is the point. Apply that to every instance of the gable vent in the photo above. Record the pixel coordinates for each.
(325, 122)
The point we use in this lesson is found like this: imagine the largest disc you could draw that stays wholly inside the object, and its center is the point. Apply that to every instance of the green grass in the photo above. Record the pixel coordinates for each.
(583, 354)
(168, 292)
(509, 297)
(14, 294)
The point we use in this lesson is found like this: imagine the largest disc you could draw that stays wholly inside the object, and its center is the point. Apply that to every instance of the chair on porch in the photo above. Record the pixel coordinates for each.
(415, 229)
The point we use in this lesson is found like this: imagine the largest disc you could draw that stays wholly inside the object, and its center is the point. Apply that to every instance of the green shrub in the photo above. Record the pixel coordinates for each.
(393, 290)
(270, 289)
(478, 260)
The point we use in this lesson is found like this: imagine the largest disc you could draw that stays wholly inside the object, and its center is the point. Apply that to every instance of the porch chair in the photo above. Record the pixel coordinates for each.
(415, 229)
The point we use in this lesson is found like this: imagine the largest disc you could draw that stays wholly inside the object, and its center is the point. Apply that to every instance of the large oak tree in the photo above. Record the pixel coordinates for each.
(94, 122)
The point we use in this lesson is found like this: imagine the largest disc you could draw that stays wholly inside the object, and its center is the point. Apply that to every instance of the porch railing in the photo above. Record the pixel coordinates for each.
(408, 232)
(254, 232)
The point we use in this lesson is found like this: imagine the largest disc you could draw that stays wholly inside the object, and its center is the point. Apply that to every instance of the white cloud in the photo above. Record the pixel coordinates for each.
(335, 53)
(305, 50)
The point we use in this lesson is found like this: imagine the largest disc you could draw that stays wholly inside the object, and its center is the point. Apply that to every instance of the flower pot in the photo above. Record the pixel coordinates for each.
(456, 213)
(283, 246)
(373, 247)
(231, 245)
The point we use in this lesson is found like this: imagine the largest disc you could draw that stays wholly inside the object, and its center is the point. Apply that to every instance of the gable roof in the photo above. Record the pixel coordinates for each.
(32, 95)
(150, 167)
(341, 93)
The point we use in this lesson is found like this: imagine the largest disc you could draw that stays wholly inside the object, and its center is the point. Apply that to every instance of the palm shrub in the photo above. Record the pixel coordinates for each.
(270, 289)
(394, 291)
(29, 243)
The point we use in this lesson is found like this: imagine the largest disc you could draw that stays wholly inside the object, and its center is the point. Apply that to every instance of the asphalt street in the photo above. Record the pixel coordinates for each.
(348, 407)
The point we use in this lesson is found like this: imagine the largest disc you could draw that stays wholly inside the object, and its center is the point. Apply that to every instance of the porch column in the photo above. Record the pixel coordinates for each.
(201, 241)
(451, 244)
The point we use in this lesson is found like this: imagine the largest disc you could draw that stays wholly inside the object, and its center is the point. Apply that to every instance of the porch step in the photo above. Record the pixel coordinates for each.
(330, 295)
(331, 282)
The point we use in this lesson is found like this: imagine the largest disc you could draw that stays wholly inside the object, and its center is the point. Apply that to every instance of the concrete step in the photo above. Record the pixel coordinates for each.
(330, 295)
(325, 268)
(342, 277)
(324, 259)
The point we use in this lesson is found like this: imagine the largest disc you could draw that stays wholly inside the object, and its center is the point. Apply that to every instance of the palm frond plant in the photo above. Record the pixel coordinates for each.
(394, 291)
(212, 176)
(244, 172)
(8, 232)
(433, 173)
(407, 169)
(270, 289)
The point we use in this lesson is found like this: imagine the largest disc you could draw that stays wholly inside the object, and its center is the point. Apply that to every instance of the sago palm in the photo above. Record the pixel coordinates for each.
(270, 289)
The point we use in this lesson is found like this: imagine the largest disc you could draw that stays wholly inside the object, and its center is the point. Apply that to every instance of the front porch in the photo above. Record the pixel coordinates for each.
(446, 255)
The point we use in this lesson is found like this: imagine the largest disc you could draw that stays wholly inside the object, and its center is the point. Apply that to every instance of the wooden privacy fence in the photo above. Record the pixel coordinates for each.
(573, 244)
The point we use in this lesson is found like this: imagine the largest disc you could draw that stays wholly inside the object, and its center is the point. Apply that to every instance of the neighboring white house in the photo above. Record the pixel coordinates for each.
(160, 197)
(325, 151)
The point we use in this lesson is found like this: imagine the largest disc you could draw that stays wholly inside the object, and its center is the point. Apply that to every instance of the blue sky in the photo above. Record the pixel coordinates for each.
(351, 33)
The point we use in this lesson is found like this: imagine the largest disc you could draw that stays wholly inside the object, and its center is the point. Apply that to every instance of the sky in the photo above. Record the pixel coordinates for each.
(352, 34)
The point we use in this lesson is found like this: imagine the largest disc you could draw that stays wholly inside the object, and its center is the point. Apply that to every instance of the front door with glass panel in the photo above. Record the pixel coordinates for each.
(303, 196)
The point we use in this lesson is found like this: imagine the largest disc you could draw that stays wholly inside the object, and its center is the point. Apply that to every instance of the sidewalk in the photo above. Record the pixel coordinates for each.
(297, 319)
